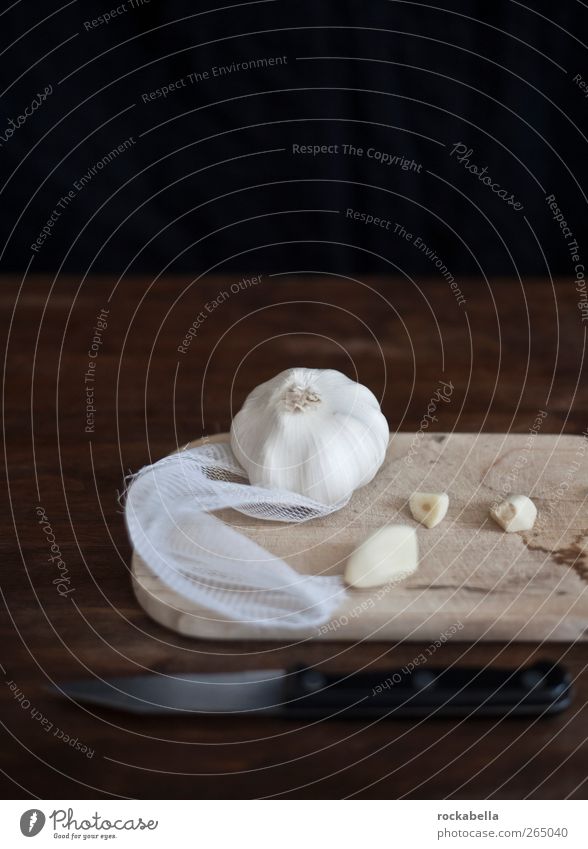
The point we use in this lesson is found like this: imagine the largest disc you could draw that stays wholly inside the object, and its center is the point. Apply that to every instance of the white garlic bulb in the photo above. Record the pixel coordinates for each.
(311, 431)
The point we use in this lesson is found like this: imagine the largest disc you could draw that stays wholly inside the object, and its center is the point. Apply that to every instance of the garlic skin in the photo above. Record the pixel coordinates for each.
(311, 431)
(429, 508)
(516, 513)
(389, 554)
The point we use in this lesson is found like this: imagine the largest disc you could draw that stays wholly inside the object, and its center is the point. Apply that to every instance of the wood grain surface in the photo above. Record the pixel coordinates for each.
(473, 579)
(514, 349)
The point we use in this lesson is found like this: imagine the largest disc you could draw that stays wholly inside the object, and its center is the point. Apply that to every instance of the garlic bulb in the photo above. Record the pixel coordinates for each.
(311, 431)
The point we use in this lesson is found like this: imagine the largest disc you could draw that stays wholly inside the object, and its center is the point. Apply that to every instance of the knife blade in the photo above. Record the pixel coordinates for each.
(543, 689)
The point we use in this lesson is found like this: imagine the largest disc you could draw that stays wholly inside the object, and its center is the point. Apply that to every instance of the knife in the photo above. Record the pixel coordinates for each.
(543, 689)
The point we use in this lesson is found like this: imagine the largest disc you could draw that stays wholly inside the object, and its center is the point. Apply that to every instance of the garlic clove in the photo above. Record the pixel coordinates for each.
(389, 554)
(516, 513)
(429, 508)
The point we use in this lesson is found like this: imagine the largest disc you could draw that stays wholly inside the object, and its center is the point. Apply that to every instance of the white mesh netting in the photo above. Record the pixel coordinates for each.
(167, 511)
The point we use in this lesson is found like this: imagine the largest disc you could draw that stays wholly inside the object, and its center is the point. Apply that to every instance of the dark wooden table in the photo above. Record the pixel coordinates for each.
(512, 349)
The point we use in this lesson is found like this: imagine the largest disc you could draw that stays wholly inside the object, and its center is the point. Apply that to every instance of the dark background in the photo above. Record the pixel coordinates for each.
(200, 191)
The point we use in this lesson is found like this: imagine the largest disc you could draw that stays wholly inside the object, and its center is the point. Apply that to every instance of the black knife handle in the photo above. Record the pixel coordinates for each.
(543, 689)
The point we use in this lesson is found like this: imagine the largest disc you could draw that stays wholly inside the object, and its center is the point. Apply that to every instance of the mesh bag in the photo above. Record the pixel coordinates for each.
(168, 514)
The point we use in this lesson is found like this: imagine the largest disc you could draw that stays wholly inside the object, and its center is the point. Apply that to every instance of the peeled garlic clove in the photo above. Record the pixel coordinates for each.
(516, 513)
(387, 555)
(311, 431)
(429, 508)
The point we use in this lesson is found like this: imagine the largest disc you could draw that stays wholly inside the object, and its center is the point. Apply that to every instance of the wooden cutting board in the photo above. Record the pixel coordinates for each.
(474, 581)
